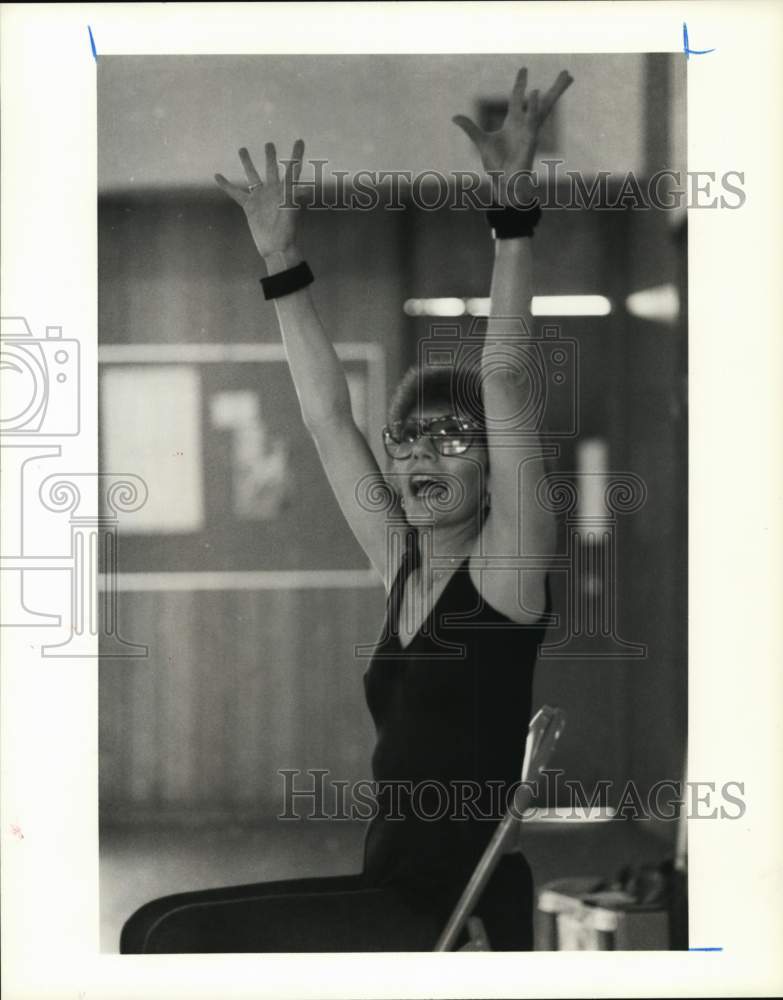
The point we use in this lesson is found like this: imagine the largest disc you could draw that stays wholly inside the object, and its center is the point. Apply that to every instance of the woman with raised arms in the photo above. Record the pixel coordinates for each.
(449, 684)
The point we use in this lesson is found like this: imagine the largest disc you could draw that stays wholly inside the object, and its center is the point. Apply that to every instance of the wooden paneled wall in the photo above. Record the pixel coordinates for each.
(238, 685)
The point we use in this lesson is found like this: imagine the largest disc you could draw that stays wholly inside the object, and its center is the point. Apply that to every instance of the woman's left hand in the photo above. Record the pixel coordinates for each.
(512, 148)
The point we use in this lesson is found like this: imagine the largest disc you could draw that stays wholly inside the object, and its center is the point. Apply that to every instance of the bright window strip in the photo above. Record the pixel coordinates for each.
(660, 303)
(435, 307)
(542, 305)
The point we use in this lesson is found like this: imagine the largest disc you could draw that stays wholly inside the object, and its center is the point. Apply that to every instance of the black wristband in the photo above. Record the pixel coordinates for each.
(510, 223)
(284, 282)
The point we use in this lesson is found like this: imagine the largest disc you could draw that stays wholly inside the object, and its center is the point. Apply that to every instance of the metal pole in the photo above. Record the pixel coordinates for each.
(484, 869)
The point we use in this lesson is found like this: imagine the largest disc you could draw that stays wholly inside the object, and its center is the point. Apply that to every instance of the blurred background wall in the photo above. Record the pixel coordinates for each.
(256, 672)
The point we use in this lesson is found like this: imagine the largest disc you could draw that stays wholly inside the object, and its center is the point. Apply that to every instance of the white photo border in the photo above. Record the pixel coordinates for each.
(49, 275)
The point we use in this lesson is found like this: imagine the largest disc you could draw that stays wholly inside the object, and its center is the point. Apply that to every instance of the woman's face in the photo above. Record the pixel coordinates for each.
(444, 489)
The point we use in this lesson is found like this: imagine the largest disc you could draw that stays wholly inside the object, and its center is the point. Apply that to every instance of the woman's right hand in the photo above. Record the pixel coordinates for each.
(269, 205)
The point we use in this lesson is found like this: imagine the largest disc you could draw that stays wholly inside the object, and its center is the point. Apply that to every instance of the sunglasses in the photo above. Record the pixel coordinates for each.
(451, 435)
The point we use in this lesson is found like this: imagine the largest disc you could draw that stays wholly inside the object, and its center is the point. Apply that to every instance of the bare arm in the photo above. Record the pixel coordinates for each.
(318, 375)
(516, 460)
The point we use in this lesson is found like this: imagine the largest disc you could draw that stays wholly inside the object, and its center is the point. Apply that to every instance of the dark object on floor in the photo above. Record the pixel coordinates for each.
(630, 912)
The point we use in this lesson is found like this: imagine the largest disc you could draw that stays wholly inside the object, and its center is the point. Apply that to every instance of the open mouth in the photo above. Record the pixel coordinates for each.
(422, 486)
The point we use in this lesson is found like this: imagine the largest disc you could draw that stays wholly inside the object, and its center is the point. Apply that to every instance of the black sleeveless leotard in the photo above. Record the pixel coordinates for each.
(451, 711)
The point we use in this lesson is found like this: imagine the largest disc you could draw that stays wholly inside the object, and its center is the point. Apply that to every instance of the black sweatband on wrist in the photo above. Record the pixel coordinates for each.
(285, 282)
(510, 223)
